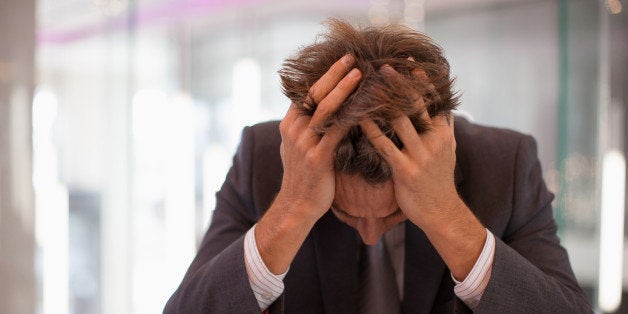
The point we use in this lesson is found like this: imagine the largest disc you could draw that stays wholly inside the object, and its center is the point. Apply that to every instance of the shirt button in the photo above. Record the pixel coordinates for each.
(266, 295)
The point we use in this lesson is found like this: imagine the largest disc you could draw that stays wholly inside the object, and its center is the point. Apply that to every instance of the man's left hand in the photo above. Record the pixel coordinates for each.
(423, 171)
(423, 178)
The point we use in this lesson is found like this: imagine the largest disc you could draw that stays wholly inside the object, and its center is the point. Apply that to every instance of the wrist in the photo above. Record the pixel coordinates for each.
(459, 238)
(287, 217)
(441, 217)
(280, 234)
(298, 210)
(455, 223)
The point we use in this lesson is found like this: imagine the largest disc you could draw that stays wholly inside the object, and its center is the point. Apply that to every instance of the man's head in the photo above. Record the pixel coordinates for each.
(364, 191)
(379, 96)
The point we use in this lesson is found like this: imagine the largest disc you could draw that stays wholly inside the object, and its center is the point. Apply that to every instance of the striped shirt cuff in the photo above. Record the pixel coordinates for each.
(471, 289)
(266, 286)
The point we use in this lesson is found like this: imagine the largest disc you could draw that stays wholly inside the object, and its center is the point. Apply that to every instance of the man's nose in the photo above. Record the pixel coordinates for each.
(370, 230)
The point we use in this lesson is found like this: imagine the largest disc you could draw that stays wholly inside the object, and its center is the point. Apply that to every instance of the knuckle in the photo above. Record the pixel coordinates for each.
(323, 109)
(413, 170)
(283, 127)
(288, 137)
(313, 91)
(301, 146)
(386, 69)
(387, 149)
(311, 157)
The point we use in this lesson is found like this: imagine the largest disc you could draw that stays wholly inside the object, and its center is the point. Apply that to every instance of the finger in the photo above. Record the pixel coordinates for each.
(291, 114)
(407, 134)
(425, 116)
(449, 118)
(308, 140)
(300, 123)
(295, 119)
(291, 133)
(442, 135)
(422, 76)
(335, 98)
(288, 119)
(419, 103)
(440, 130)
(383, 144)
(331, 139)
(443, 123)
(282, 153)
(386, 69)
(330, 79)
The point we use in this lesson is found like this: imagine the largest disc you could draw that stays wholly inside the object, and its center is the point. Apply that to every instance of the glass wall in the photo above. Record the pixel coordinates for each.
(533, 66)
(139, 105)
(553, 69)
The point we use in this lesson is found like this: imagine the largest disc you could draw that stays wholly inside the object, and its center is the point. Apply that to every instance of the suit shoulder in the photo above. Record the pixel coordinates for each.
(472, 136)
(264, 135)
(266, 166)
(490, 151)
(266, 127)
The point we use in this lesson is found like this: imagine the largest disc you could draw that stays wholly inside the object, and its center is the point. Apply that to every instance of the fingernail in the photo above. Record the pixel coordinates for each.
(420, 74)
(354, 73)
(348, 60)
(387, 69)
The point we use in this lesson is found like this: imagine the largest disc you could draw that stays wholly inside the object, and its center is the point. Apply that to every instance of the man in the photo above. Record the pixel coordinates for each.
(369, 197)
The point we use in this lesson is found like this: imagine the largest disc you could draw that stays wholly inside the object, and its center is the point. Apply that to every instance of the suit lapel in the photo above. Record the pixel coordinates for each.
(423, 271)
(336, 249)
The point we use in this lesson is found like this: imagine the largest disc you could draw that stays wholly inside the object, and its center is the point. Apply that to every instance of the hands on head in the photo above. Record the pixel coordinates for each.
(422, 170)
(422, 175)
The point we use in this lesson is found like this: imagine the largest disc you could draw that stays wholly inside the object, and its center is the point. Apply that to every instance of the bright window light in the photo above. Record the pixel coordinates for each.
(246, 93)
(164, 203)
(51, 207)
(246, 88)
(612, 231)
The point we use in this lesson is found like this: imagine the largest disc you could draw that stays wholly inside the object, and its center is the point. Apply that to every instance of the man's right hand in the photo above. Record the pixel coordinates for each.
(307, 157)
(308, 185)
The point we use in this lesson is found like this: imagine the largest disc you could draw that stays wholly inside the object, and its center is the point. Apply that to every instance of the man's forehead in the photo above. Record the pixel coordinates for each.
(358, 198)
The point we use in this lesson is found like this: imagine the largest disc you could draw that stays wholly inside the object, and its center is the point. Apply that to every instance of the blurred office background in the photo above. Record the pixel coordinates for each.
(118, 119)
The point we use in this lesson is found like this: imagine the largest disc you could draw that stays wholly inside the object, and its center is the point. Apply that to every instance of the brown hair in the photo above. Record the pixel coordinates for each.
(378, 96)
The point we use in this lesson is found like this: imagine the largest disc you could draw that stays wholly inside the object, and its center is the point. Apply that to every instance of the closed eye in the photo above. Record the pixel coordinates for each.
(398, 213)
(341, 212)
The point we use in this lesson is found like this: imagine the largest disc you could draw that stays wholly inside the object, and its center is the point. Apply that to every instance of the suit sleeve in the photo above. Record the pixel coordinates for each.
(216, 281)
(531, 271)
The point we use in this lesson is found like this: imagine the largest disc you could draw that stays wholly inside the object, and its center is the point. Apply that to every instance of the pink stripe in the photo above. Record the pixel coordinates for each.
(174, 11)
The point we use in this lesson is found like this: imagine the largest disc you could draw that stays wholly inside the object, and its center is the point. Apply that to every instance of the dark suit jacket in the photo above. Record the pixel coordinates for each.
(497, 174)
